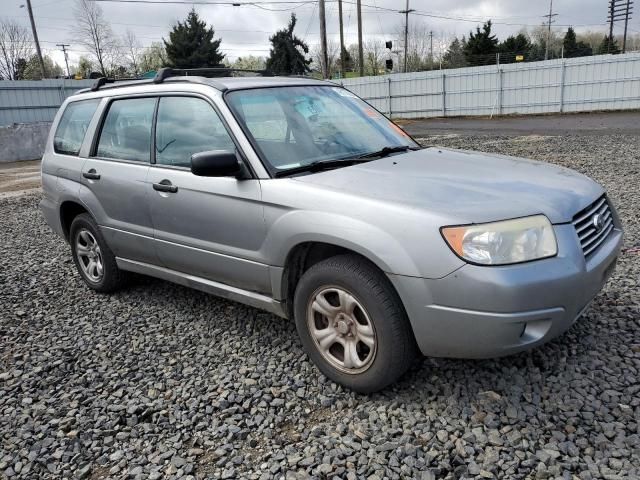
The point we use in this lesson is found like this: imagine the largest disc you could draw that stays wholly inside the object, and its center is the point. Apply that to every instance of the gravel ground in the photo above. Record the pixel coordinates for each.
(161, 381)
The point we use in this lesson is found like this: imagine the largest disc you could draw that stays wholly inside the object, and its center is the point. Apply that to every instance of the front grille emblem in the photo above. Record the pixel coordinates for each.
(598, 221)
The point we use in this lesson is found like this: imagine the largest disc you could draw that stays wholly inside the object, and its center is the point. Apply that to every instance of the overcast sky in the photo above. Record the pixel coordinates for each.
(245, 30)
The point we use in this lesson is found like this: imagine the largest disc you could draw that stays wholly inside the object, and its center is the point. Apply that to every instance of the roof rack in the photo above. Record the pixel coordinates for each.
(166, 72)
(208, 72)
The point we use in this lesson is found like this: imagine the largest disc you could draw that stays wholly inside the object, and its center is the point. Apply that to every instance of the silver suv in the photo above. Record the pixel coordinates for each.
(297, 197)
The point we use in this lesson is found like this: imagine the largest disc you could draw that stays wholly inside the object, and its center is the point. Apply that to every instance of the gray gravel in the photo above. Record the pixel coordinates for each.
(159, 381)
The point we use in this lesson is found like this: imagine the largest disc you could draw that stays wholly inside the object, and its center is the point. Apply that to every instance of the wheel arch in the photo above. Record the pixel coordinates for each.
(70, 209)
(303, 255)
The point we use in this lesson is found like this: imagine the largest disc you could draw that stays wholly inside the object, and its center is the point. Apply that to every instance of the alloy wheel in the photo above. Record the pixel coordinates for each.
(341, 329)
(89, 255)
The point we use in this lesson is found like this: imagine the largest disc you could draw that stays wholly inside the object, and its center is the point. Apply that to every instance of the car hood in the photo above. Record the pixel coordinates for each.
(469, 187)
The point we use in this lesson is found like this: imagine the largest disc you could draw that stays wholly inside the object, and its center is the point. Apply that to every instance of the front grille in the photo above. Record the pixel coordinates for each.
(590, 235)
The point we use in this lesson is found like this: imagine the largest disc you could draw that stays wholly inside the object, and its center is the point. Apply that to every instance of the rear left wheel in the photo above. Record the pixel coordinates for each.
(93, 258)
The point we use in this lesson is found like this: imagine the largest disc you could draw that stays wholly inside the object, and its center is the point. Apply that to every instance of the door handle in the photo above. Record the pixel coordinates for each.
(91, 174)
(165, 186)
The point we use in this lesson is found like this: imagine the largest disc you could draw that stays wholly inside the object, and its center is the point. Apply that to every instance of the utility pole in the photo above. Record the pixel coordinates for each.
(35, 39)
(323, 41)
(360, 51)
(343, 67)
(406, 12)
(64, 46)
(431, 47)
(619, 9)
(626, 24)
(550, 21)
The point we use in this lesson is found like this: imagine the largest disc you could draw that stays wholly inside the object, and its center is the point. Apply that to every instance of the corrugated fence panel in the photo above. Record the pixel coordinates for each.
(417, 94)
(603, 82)
(27, 101)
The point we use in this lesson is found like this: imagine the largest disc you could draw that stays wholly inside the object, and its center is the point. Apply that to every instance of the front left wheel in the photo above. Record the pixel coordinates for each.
(352, 324)
(93, 258)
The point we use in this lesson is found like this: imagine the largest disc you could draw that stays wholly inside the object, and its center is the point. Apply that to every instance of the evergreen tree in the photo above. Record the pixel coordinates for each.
(32, 70)
(287, 52)
(572, 48)
(513, 46)
(191, 44)
(609, 45)
(454, 57)
(21, 66)
(482, 46)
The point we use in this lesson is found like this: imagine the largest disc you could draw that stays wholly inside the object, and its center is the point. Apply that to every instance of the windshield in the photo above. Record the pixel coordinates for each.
(296, 126)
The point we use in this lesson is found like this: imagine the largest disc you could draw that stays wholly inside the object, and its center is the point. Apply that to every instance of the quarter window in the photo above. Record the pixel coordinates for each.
(188, 125)
(73, 126)
(126, 132)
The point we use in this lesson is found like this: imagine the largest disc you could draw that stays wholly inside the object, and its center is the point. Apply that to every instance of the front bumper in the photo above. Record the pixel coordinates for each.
(482, 312)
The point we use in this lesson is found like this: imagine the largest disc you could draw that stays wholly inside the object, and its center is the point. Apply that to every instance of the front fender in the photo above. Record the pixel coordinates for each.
(296, 227)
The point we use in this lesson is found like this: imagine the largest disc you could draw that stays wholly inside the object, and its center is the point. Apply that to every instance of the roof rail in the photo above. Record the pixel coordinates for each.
(209, 72)
(104, 80)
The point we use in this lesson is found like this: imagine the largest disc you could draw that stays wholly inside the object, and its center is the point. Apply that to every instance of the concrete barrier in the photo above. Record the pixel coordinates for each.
(22, 141)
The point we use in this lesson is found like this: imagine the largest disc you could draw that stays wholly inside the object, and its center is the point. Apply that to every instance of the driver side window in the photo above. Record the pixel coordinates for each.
(188, 125)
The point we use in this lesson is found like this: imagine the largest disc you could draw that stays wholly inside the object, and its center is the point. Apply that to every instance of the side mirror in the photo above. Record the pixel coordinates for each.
(216, 163)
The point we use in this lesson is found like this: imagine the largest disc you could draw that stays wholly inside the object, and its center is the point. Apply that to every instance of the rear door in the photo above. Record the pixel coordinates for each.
(115, 176)
(208, 227)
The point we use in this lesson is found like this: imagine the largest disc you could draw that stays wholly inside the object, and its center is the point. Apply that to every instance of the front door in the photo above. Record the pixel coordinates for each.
(115, 179)
(204, 226)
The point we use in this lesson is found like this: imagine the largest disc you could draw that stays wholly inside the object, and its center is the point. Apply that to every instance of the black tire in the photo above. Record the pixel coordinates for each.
(395, 346)
(112, 277)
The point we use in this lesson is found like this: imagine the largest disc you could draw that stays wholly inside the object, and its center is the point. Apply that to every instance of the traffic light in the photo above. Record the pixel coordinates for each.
(389, 64)
(389, 45)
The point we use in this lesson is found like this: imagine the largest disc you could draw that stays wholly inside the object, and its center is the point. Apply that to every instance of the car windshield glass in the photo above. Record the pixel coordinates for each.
(292, 127)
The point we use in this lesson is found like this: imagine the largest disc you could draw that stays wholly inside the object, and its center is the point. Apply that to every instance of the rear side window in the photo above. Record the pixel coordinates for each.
(126, 132)
(73, 126)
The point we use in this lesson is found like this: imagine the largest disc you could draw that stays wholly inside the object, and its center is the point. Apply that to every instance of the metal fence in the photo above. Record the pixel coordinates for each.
(604, 82)
(25, 101)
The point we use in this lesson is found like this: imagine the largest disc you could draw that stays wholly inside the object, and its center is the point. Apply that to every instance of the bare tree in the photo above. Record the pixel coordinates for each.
(539, 36)
(132, 49)
(633, 42)
(374, 55)
(250, 62)
(333, 58)
(153, 57)
(84, 67)
(425, 45)
(353, 53)
(15, 49)
(591, 38)
(95, 33)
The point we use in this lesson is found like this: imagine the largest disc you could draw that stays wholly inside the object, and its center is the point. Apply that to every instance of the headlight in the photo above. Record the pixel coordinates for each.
(501, 243)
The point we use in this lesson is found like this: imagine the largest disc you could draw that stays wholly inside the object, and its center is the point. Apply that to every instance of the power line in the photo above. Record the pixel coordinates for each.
(212, 2)
(314, 2)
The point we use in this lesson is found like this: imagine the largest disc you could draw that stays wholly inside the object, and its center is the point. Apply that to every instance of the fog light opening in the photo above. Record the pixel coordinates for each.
(535, 330)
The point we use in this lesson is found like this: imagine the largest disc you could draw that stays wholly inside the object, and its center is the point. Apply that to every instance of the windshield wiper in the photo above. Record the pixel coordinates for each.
(320, 165)
(383, 152)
